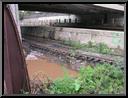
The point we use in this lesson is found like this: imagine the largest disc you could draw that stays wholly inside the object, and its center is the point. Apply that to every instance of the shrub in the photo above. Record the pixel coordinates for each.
(74, 44)
(62, 86)
(101, 79)
(90, 46)
(103, 48)
(66, 42)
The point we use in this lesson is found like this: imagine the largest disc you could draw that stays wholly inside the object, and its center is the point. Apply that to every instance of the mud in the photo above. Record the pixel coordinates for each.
(51, 69)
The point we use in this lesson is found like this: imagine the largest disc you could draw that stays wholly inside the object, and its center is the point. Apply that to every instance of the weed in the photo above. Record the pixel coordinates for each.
(101, 79)
(90, 46)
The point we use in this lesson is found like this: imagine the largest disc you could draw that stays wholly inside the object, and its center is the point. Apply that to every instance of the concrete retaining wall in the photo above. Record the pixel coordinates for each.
(113, 39)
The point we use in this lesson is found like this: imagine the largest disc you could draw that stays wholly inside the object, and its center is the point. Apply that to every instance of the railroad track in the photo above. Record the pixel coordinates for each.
(65, 52)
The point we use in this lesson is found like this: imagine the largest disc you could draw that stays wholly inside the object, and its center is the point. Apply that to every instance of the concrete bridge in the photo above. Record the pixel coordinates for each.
(105, 21)
(97, 16)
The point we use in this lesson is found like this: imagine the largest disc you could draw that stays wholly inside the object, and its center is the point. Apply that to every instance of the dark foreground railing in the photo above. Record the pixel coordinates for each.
(15, 69)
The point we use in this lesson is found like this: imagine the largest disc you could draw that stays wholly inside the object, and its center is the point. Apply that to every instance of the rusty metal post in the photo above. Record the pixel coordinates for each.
(15, 69)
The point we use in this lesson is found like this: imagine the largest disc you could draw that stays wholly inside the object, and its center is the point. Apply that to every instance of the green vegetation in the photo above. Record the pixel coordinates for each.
(72, 52)
(90, 46)
(74, 44)
(101, 79)
(63, 86)
(119, 62)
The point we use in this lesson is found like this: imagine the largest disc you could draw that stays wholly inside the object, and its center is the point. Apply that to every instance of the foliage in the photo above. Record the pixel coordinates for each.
(72, 52)
(101, 79)
(103, 48)
(74, 44)
(90, 46)
(63, 86)
(119, 62)
(97, 47)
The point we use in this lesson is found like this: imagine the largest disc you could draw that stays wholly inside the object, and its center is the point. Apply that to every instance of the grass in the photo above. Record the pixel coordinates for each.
(90, 46)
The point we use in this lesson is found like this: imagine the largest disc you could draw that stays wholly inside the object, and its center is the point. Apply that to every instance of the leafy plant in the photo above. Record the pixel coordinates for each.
(66, 42)
(74, 44)
(72, 52)
(90, 46)
(63, 86)
(101, 79)
(103, 48)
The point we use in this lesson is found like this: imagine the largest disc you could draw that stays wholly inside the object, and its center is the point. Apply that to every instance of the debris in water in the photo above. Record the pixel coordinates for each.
(33, 55)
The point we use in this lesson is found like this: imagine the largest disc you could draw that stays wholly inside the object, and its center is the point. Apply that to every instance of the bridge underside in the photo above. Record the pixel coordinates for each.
(69, 8)
(90, 15)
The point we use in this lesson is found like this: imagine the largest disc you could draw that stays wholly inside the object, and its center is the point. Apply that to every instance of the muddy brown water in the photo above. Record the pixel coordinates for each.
(51, 69)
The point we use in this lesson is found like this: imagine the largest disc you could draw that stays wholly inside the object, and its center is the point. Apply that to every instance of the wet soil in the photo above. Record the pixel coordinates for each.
(51, 69)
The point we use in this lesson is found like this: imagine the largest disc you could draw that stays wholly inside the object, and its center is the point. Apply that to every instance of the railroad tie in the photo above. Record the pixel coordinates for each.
(90, 58)
(96, 60)
(55, 51)
(63, 53)
(102, 61)
(110, 62)
(82, 57)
